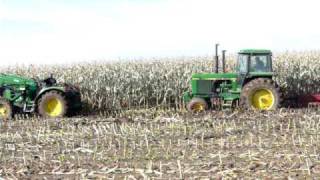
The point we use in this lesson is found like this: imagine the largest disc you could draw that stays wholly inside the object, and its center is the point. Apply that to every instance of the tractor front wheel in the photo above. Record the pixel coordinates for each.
(260, 94)
(52, 104)
(6, 111)
(197, 105)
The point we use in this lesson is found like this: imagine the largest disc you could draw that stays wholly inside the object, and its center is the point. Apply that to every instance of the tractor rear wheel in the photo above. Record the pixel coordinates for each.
(260, 94)
(197, 105)
(6, 110)
(52, 104)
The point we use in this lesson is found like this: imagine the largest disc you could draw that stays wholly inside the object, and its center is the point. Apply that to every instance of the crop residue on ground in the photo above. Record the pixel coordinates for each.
(164, 145)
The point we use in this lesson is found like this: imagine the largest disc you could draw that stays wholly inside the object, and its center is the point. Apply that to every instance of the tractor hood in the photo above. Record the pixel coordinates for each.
(214, 76)
(9, 79)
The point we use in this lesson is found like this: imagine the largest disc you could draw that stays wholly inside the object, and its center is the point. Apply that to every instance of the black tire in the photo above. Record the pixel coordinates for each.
(193, 105)
(52, 104)
(263, 84)
(6, 110)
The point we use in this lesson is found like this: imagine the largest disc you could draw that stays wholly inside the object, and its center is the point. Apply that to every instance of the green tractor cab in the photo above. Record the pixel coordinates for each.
(46, 97)
(251, 86)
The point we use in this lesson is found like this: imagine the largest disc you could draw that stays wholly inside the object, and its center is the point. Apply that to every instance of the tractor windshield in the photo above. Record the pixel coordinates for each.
(243, 63)
(260, 63)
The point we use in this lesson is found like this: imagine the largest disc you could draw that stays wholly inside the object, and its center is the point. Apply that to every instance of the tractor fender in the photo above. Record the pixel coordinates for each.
(47, 89)
(247, 80)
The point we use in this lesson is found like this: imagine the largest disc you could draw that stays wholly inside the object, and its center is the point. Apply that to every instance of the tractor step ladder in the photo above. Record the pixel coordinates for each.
(227, 104)
(29, 108)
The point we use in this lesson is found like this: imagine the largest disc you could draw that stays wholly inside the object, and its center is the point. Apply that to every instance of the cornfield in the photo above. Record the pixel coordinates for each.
(119, 85)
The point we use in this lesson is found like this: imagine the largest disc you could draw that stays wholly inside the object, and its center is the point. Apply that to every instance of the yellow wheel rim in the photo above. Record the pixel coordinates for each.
(198, 107)
(53, 107)
(3, 111)
(262, 99)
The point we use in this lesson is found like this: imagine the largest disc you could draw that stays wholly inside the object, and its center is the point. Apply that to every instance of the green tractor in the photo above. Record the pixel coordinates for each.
(251, 86)
(46, 97)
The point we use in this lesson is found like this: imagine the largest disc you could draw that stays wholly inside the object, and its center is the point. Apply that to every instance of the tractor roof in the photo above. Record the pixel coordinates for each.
(254, 51)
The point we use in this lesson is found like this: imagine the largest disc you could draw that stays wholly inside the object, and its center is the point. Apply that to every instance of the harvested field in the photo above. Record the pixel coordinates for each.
(164, 144)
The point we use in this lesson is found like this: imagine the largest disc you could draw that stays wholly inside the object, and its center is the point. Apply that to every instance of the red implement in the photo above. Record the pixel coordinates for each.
(309, 100)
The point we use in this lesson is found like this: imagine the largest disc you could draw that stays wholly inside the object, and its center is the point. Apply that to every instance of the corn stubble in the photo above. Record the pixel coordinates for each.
(161, 82)
(151, 145)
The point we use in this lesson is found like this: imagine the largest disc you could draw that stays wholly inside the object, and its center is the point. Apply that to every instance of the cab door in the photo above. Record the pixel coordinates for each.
(242, 67)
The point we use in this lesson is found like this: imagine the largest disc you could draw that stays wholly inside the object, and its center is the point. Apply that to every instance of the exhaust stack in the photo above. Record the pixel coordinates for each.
(224, 61)
(217, 60)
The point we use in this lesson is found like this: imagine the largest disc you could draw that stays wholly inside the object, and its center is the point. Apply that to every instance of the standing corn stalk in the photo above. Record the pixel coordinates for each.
(161, 82)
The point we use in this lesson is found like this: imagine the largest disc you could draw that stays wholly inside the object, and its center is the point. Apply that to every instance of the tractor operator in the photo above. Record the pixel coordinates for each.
(260, 65)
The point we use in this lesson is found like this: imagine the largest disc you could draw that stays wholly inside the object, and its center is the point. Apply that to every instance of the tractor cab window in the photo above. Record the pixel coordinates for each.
(243, 63)
(260, 63)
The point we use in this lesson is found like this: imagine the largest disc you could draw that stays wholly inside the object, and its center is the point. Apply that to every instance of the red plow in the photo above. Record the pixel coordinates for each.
(308, 100)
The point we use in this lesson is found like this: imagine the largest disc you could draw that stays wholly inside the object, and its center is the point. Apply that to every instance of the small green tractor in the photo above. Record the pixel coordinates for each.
(251, 86)
(46, 97)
